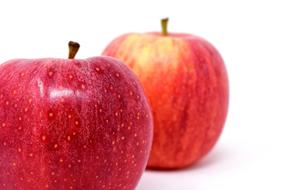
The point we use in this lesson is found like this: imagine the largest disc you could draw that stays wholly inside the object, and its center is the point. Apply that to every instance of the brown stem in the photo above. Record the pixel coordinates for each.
(73, 49)
(164, 23)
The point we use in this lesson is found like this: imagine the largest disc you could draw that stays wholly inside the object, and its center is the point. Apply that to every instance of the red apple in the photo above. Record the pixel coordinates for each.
(186, 82)
(72, 124)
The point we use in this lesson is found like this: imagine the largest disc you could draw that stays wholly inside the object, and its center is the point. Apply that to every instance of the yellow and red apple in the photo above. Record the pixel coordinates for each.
(185, 79)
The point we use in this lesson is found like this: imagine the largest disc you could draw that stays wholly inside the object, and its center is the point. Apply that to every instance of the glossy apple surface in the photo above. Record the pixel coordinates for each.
(72, 124)
(186, 82)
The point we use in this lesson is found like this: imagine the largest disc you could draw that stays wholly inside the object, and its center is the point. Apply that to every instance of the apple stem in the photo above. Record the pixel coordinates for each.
(73, 49)
(164, 23)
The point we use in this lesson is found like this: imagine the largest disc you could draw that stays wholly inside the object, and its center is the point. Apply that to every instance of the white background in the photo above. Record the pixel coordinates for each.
(250, 36)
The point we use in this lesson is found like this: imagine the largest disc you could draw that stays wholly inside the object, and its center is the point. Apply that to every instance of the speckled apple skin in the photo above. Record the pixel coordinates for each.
(186, 82)
(72, 124)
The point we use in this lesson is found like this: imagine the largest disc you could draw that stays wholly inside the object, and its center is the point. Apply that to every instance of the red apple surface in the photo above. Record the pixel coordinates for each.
(72, 124)
(186, 81)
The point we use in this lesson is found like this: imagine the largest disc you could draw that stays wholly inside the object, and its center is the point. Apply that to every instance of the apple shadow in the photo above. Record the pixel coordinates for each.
(152, 177)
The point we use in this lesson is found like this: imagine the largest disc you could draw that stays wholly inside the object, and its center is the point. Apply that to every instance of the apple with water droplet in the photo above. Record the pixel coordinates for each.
(186, 82)
(72, 124)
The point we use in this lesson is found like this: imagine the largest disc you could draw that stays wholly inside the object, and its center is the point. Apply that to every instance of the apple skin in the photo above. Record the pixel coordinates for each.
(72, 124)
(186, 82)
